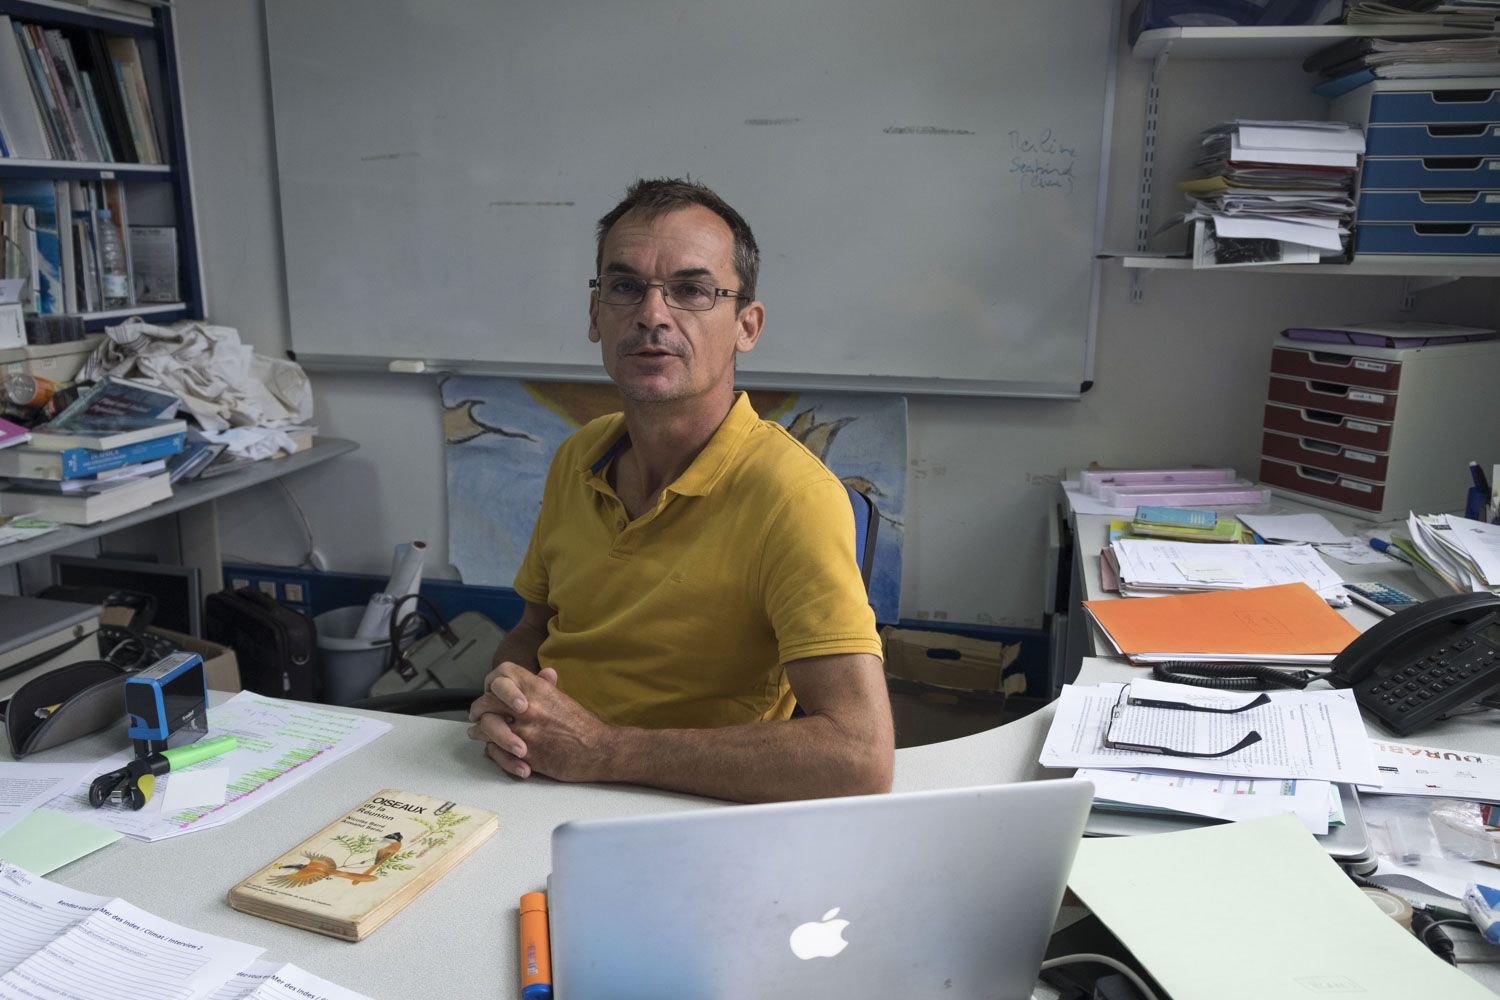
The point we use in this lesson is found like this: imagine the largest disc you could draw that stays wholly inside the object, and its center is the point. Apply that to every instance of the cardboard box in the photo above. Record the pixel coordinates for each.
(945, 660)
(219, 663)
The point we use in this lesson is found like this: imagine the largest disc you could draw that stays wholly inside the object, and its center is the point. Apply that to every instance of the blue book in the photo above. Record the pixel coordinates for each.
(1180, 516)
(78, 463)
(42, 196)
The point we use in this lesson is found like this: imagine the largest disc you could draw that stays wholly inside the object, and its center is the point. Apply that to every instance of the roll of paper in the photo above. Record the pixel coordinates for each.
(406, 578)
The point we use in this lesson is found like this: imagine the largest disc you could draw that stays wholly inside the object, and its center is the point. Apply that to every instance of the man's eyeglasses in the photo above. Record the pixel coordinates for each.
(1126, 701)
(680, 293)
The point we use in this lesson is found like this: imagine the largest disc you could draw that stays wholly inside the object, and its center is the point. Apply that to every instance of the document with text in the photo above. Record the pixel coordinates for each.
(1301, 734)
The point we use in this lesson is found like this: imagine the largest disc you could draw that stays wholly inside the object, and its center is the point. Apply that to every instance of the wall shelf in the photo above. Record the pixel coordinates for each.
(1396, 265)
(1295, 42)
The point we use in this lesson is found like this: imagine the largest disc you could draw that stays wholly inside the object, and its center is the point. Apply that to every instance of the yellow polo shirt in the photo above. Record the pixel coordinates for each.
(685, 616)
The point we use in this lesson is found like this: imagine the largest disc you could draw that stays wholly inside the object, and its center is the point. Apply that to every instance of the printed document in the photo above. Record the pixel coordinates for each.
(120, 950)
(1219, 798)
(34, 910)
(1304, 734)
(1406, 769)
(1310, 528)
(1157, 566)
(281, 743)
(24, 787)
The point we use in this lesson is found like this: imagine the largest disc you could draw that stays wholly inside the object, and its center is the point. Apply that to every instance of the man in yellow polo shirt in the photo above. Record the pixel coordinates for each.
(691, 576)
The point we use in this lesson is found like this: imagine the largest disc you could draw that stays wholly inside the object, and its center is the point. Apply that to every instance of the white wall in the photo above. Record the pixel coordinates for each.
(1179, 378)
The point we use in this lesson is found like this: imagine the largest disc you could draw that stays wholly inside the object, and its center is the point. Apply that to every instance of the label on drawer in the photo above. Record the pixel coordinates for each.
(1362, 396)
(1359, 456)
(1355, 484)
(1370, 366)
(1360, 425)
(1491, 199)
(1495, 164)
(1489, 230)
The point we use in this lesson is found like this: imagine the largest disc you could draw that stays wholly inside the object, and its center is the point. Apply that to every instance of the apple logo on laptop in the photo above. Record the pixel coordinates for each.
(820, 938)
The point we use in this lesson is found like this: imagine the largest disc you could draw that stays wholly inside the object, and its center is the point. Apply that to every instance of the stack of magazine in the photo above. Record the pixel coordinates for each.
(104, 456)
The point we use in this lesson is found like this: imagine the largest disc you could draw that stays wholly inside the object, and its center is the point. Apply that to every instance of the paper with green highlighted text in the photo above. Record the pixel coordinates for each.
(1290, 923)
(281, 743)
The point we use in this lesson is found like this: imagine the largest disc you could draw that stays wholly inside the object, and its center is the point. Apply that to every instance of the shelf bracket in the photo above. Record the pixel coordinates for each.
(1413, 284)
(1148, 168)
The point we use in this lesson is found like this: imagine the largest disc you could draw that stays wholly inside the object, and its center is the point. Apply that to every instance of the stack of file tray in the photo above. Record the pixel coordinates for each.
(1377, 432)
(1430, 183)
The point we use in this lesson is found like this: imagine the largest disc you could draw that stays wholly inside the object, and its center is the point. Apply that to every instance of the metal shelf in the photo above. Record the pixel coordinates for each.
(1394, 265)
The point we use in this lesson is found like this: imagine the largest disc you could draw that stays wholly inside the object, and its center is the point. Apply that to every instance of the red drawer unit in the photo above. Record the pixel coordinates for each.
(1325, 425)
(1326, 366)
(1349, 400)
(1379, 431)
(1315, 482)
(1370, 465)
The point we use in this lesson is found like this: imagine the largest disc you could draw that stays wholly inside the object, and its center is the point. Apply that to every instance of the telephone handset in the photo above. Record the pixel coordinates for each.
(1418, 665)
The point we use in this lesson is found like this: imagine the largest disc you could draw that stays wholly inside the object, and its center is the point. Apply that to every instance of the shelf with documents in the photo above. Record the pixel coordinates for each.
(92, 119)
(1293, 42)
(1394, 265)
(1287, 43)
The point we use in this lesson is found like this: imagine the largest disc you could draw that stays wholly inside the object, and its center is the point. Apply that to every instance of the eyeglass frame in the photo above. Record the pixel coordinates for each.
(596, 286)
(1250, 739)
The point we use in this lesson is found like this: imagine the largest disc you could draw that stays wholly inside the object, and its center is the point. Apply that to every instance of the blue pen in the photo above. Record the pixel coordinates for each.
(1381, 545)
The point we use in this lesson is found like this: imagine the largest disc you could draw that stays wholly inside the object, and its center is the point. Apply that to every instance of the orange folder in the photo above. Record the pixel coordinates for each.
(1289, 620)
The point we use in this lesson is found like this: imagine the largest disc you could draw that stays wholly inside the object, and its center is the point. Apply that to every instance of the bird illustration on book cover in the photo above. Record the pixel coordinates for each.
(365, 858)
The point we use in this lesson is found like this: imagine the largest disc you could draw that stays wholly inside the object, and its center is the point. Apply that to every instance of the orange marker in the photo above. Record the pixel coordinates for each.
(536, 950)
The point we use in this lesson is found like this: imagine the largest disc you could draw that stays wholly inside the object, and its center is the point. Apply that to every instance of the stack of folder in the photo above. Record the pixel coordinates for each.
(1454, 553)
(1273, 192)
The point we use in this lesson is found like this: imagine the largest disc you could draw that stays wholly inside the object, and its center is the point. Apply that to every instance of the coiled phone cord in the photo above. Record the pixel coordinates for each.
(1232, 676)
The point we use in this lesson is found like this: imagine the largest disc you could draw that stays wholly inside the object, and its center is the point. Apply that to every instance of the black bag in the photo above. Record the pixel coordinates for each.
(273, 643)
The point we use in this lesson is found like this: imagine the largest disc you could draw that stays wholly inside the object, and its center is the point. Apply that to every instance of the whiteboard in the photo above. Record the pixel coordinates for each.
(924, 179)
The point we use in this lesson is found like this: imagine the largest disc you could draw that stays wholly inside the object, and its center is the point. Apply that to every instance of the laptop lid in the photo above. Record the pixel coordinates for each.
(947, 893)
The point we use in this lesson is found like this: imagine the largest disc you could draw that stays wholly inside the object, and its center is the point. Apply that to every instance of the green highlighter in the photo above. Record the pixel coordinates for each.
(135, 782)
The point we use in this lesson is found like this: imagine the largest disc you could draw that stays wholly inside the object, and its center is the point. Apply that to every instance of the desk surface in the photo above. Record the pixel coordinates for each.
(184, 496)
(467, 920)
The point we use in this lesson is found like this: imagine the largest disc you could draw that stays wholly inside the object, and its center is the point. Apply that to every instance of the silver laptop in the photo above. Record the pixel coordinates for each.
(947, 894)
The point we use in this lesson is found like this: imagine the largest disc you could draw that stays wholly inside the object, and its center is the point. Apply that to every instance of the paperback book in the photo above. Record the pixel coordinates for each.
(357, 872)
(85, 508)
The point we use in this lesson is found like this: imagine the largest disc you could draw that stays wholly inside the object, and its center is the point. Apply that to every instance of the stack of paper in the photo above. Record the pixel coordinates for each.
(1463, 554)
(1148, 567)
(1477, 15)
(1288, 737)
(1273, 192)
(1284, 624)
(1357, 61)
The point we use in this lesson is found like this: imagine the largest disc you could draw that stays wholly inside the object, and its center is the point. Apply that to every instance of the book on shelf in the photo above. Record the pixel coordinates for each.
(357, 872)
(82, 463)
(70, 93)
(102, 482)
(12, 434)
(108, 432)
(153, 264)
(196, 456)
(85, 508)
(72, 214)
(113, 397)
(39, 197)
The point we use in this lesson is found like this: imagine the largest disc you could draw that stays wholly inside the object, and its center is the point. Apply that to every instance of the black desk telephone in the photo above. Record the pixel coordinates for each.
(1422, 663)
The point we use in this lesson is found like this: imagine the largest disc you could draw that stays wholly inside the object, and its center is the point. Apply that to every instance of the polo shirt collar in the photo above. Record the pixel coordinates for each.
(711, 463)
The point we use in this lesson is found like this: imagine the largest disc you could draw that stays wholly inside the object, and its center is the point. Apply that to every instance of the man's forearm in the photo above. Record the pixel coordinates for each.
(520, 646)
(811, 757)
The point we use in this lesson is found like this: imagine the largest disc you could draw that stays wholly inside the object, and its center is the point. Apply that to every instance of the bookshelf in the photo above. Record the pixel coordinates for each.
(1285, 43)
(154, 194)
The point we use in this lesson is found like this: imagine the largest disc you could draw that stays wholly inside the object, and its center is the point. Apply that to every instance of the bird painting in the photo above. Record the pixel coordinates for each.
(317, 868)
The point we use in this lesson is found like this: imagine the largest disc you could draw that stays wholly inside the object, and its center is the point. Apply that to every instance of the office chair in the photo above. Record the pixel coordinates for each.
(434, 701)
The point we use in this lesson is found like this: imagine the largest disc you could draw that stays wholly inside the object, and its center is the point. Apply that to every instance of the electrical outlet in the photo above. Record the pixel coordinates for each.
(238, 583)
(268, 587)
(293, 592)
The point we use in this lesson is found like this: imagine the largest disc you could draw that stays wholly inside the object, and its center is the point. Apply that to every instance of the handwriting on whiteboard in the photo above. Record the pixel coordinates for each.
(1042, 160)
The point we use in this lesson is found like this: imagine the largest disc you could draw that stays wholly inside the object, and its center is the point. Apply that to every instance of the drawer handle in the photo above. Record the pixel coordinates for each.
(1323, 416)
(1328, 388)
(1448, 197)
(1462, 96)
(1319, 475)
(1308, 444)
(1336, 360)
(1442, 228)
(1475, 129)
(1452, 162)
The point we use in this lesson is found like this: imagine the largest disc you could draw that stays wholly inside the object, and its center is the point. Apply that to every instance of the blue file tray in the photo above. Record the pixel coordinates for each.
(1433, 239)
(1478, 173)
(1423, 107)
(1429, 206)
(1437, 139)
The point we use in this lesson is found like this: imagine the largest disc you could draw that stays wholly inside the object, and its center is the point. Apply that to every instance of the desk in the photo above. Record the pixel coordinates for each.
(461, 933)
(193, 504)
